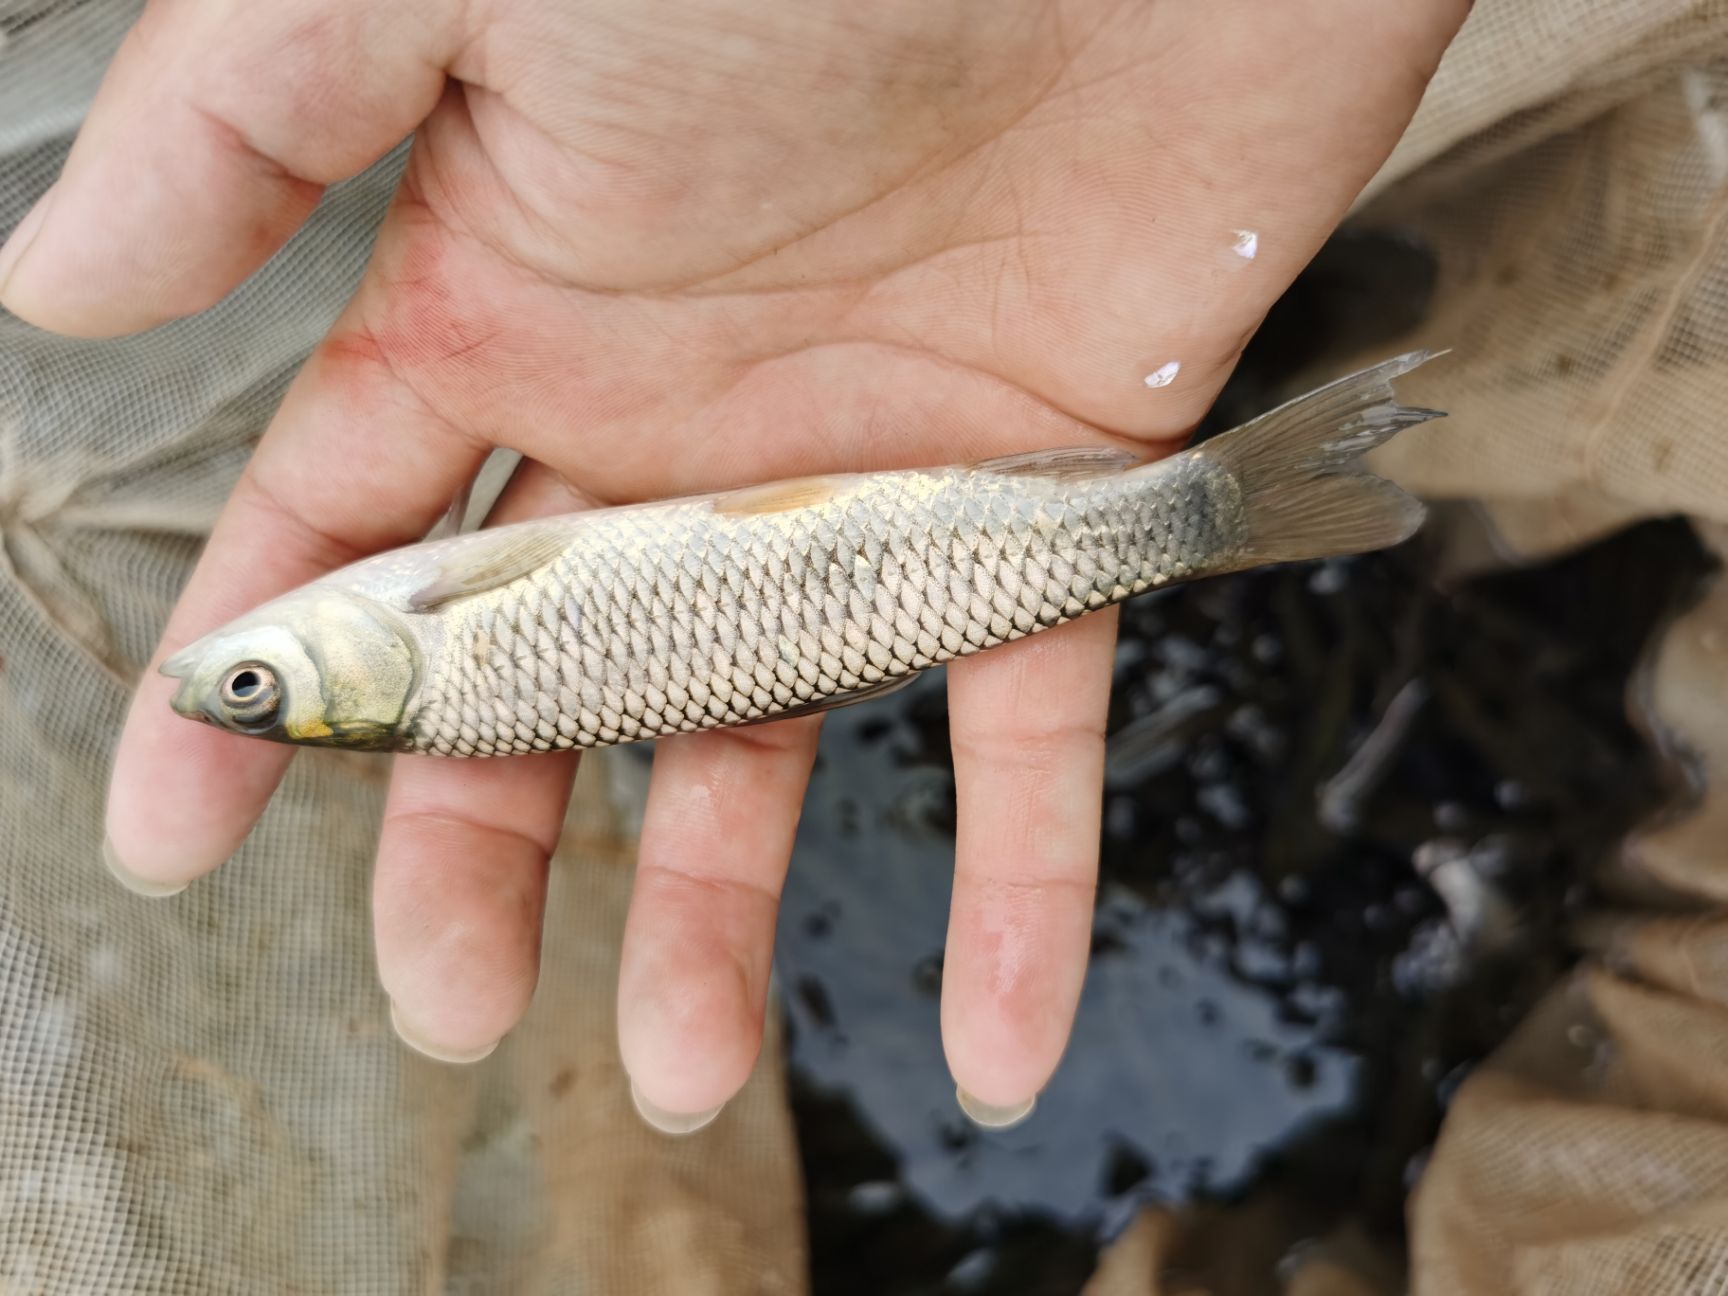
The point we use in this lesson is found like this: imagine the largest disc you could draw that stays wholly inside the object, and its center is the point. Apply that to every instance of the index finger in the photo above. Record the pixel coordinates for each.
(353, 463)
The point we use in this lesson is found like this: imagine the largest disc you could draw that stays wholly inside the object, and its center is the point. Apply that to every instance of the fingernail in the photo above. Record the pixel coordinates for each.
(670, 1122)
(436, 1052)
(132, 882)
(989, 1115)
(12, 253)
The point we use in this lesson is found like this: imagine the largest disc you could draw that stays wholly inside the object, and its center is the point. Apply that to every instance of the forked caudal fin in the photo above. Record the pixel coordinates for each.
(1305, 491)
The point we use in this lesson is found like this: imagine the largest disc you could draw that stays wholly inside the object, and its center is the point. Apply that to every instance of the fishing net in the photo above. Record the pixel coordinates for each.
(205, 1095)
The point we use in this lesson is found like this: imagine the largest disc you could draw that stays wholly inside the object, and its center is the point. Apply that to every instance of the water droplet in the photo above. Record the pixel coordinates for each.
(1164, 375)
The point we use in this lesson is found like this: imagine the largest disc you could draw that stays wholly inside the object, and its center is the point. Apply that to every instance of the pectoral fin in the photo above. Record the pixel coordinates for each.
(487, 559)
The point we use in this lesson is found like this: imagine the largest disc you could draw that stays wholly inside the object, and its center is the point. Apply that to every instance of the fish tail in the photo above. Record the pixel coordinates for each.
(1304, 489)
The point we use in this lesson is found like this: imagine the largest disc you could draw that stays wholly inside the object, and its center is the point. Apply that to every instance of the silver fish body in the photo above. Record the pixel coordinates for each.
(681, 617)
(625, 624)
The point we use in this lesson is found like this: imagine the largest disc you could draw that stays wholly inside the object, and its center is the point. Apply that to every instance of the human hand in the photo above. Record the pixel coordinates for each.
(671, 248)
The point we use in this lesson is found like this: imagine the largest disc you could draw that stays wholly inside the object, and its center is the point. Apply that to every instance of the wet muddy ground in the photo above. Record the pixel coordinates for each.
(1350, 808)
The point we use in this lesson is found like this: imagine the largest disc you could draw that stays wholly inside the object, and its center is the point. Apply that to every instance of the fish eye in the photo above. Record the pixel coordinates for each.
(250, 694)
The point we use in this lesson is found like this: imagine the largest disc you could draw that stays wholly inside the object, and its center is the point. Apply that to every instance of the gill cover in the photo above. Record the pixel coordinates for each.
(319, 667)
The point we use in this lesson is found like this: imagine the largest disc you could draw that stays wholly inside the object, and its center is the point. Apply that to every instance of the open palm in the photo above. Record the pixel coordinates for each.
(662, 248)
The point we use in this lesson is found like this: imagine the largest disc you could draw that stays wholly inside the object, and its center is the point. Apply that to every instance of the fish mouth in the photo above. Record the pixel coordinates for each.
(189, 699)
(184, 703)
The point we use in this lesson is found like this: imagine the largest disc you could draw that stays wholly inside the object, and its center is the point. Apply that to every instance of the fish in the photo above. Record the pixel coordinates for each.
(625, 624)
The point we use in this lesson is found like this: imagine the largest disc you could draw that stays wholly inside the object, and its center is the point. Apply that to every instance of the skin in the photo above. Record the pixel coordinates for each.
(682, 247)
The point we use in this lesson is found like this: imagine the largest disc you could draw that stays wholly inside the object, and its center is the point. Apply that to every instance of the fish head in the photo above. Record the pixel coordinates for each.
(322, 667)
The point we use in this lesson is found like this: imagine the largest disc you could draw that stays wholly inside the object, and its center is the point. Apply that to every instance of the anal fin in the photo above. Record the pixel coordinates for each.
(867, 694)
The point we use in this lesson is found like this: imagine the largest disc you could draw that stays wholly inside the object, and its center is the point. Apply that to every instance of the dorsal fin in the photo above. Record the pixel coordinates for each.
(487, 559)
(1070, 463)
(776, 497)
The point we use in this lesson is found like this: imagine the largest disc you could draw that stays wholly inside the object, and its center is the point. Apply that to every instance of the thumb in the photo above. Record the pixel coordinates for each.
(213, 135)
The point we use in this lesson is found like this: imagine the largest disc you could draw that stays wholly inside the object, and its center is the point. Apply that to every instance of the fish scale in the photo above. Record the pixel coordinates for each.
(786, 609)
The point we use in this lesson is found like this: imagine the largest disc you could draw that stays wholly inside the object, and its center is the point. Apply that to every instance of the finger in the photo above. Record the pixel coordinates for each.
(459, 892)
(211, 139)
(460, 886)
(693, 985)
(352, 464)
(1027, 726)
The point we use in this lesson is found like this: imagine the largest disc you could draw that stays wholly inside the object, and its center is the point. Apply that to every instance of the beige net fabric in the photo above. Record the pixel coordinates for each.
(204, 1094)
(1583, 287)
(1569, 170)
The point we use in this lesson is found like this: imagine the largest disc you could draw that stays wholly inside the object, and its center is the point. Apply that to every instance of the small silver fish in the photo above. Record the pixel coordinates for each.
(624, 624)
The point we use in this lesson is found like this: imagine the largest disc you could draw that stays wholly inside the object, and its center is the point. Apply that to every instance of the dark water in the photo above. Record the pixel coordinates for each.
(1348, 814)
